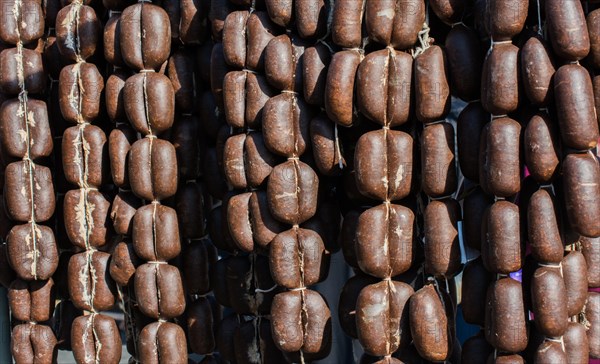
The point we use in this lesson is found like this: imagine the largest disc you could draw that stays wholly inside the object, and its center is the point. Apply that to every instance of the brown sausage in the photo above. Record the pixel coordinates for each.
(96, 336)
(119, 143)
(122, 211)
(280, 11)
(593, 25)
(155, 233)
(590, 248)
(200, 325)
(581, 174)
(198, 259)
(79, 90)
(87, 218)
(574, 270)
(239, 221)
(180, 69)
(311, 18)
(153, 169)
(22, 135)
(500, 80)
(113, 92)
(28, 64)
(537, 70)
(550, 352)
(382, 317)
(442, 248)
(112, 47)
(286, 125)
(28, 192)
(85, 156)
(245, 95)
(33, 343)
(32, 301)
(576, 343)
(123, 263)
(314, 73)
(24, 25)
(506, 327)
(297, 258)
(383, 163)
(573, 92)
(284, 63)
(149, 102)
(383, 86)
(549, 299)
(541, 147)
(501, 238)
(292, 192)
(77, 31)
(384, 240)
(429, 325)
(392, 23)
(465, 62)
(189, 203)
(500, 157)
(90, 285)
(506, 18)
(32, 251)
(162, 342)
(264, 226)
(159, 290)
(469, 125)
(449, 11)
(476, 349)
(347, 23)
(439, 177)
(245, 36)
(543, 229)
(234, 38)
(145, 36)
(327, 152)
(592, 314)
(567, 29)
(301, 321)
(339, 87)
(475, 281)
(432, 89)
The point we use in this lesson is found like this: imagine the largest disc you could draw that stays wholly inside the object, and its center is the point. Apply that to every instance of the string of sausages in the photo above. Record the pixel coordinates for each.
(199, 254)
(500, 176)
(95, 337)
(439, 181)
(248, 165)
(149, 103)
(387, 312)
(229, 271)
(124, 260)
(565, 339)
(548, 290)
(29, 198)
(300, 317)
